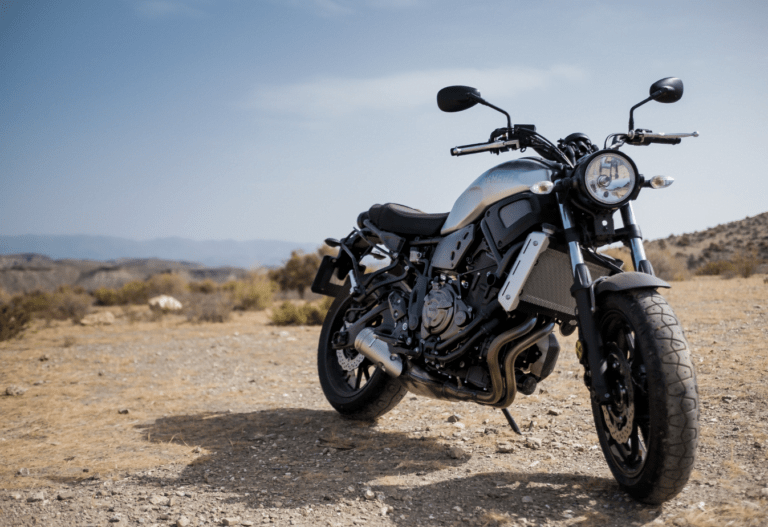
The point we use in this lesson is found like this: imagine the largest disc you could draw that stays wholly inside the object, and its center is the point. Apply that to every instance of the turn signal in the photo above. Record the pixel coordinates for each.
(661, 181)
(542, 187)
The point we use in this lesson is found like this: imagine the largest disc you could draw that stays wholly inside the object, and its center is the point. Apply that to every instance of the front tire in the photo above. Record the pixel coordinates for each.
(650, 432)
(354, 386)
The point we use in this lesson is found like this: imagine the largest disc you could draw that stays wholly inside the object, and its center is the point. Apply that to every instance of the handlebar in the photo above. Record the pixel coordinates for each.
(464, 150)
(646, 137)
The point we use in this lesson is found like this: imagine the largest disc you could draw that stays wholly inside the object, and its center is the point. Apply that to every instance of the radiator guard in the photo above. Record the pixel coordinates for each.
(550, 281)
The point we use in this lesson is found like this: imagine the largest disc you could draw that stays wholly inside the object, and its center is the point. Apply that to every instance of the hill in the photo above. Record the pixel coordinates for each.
(742, 238)
(211, 253)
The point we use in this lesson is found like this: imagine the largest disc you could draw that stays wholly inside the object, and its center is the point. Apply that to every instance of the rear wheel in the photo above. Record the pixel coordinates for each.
(352, 384)
(650, 432)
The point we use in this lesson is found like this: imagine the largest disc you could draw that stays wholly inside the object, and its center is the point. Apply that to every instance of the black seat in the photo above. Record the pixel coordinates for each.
(403, 220)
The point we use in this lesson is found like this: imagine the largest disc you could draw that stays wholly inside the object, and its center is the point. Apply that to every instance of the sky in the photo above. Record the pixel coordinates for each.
(283, 119)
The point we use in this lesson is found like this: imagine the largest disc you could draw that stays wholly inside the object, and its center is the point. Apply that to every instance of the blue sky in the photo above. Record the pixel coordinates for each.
(283, 119)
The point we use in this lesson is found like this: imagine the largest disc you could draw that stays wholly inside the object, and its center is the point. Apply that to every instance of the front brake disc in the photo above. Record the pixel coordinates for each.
(620, 415)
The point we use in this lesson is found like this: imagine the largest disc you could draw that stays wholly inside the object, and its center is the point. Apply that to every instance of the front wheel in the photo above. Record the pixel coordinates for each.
(649, 432)
(352, 384)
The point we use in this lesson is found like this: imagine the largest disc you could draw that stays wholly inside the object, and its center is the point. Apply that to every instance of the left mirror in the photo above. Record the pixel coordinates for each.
(457, 98)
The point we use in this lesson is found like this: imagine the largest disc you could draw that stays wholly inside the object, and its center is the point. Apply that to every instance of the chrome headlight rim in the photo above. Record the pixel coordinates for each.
(589, 198)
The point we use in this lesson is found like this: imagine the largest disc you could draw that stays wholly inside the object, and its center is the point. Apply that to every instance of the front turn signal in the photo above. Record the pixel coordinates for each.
(542, 187)
(660, 181)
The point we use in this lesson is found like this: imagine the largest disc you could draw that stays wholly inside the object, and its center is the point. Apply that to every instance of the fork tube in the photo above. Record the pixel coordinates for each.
(639, 259)
(581, 292)
(573, 246)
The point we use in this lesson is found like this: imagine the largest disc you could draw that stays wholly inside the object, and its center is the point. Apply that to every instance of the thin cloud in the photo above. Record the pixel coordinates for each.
(401, 91)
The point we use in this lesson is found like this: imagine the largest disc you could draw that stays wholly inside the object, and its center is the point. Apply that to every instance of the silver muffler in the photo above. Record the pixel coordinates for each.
(377, 351)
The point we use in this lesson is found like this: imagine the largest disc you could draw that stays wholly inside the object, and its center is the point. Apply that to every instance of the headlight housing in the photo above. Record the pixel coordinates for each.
(607, 180)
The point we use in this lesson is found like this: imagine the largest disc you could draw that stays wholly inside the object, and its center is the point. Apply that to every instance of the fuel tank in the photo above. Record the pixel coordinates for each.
(504, 180)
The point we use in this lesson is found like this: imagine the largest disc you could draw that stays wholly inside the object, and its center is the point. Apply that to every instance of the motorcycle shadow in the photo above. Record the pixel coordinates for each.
(286, 459)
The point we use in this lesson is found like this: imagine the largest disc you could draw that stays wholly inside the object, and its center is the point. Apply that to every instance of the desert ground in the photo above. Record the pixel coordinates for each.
(165, 422)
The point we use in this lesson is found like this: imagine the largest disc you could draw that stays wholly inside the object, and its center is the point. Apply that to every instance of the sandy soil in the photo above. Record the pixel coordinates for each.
(170, 423)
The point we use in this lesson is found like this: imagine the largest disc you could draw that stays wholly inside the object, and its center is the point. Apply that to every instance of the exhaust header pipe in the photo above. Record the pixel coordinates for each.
(377, 351)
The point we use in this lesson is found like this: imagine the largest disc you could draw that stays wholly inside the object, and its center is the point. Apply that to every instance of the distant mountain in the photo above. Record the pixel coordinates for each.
(211, 253)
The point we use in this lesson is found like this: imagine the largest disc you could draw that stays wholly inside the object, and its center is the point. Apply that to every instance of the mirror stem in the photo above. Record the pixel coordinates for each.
(632, 110)
(485, 103)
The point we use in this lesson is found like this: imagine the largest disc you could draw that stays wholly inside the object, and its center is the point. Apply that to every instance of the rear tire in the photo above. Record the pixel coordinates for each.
(363, 393)
(649, 437)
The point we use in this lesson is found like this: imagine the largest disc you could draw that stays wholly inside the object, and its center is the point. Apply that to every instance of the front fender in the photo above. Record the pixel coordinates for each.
(629, 280)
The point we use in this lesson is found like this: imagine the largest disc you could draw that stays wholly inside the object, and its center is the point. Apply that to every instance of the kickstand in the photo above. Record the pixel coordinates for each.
(511, 421)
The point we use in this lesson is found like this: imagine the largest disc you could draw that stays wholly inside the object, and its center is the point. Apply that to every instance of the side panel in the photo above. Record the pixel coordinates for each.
(452, 248)
(502, 181)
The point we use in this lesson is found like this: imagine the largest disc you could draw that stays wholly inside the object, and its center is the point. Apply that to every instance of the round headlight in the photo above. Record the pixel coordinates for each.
(610, 179)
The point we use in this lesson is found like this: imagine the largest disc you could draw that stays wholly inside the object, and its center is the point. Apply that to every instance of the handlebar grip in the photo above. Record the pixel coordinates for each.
(664, 140)
(485, 147)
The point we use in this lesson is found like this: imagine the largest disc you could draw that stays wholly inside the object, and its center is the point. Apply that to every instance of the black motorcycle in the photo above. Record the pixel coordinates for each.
(464, 305)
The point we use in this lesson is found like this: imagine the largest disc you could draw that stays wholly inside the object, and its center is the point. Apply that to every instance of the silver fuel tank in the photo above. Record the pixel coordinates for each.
(502, 181)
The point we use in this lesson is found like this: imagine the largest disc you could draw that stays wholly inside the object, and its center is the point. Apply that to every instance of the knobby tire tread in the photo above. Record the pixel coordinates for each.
(672, 466)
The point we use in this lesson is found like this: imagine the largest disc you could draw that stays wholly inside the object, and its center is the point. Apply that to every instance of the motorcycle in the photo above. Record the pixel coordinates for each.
(465, 303)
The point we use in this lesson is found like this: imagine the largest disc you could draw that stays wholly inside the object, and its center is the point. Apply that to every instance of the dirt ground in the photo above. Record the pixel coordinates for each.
(171, 423)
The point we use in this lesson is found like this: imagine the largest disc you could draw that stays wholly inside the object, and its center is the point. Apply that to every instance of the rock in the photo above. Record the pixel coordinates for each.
(533, 443)
(65, 495)
(123, 411)
(456, 452)
(505, 447)
(16, 496)
(554, 411)
(35, 497)
(23, 472)
(527, 499)
(230, 521)
(104, 318)
(182, 522)
(460, 426)
(164, 304)
(115, 519)
(246, 523)
(14, 390)
(369, 494)
(158, 500)
(44, 358)
(455, 418)
(764, 492)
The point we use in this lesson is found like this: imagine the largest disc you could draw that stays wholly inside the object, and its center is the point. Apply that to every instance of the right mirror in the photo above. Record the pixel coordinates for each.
(667, 90)
(456, 98)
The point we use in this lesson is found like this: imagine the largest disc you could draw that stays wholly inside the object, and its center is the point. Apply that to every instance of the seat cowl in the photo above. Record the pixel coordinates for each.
(403, 220)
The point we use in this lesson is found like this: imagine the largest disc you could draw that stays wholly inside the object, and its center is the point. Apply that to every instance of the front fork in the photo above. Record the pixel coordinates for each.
(582, 292)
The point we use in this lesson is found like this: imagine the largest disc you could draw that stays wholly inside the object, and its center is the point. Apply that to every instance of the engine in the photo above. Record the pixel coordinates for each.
(443, 313)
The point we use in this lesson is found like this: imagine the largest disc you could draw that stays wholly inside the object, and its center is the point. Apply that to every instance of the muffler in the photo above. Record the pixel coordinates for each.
(377, 351)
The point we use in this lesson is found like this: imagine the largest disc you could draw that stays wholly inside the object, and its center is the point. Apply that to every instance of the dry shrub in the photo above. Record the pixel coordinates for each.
(715, 268)
(107, 297)
(746, 263)
(254, 293)
(65, 303)
(206, 287)
(290, 314)
(623, 254)
(202, 307)
(136, 292)
(167, 284)
(668, 266)
(13, 320)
